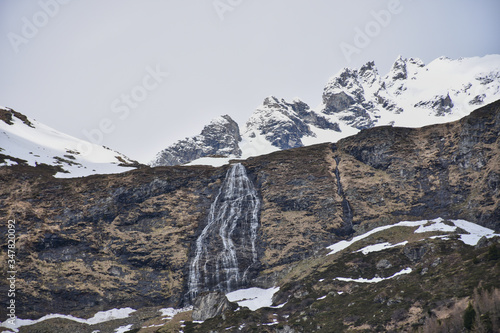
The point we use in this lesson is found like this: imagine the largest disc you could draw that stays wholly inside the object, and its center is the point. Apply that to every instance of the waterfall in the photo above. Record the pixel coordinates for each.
(225, 250)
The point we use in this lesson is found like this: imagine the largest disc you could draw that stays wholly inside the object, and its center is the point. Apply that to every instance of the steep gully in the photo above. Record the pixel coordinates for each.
(225, 251)
(347, 213)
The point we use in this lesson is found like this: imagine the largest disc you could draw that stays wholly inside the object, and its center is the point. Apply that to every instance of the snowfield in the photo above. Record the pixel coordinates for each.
(375, 279)
(253, 298)
(99, 317)
(474, 234)
(38, 143)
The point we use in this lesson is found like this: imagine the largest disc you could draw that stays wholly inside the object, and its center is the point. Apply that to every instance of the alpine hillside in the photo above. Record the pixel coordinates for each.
(392, 229)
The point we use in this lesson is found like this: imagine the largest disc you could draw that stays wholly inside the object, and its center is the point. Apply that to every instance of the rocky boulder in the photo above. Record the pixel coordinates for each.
(210, 305)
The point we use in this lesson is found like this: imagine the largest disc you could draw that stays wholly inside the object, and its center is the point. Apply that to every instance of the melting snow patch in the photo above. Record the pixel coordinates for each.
(169, 313)
(99, 317)
(211, 161)
(444, 237)
(476, 232)
(375, 279)
(123, 329)
(337, 247)
(380, 247)
(253, 298)
(438, 225)
(323, 297)
(275, 322)
(159, 325)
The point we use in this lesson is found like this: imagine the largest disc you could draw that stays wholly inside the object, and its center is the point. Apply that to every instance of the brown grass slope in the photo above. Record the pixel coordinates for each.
(94, 243)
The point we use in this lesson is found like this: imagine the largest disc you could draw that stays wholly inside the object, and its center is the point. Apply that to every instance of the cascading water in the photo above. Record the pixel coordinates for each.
(225, 250)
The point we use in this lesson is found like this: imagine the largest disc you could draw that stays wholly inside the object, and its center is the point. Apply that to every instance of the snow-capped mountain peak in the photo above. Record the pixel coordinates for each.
(411, 94)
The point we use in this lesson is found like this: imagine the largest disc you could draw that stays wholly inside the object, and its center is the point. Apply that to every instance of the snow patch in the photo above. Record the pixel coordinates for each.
(99, 317)
(253, 298)
(380, 247)
(123, 329)
(475, 233)
(211, 161)
(43, 144)
(375, 279)
(337, 247)
(436, 226)
(169, 313)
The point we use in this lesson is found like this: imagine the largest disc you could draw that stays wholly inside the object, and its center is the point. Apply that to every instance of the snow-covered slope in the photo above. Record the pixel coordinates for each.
(26, 141)
(412, 94)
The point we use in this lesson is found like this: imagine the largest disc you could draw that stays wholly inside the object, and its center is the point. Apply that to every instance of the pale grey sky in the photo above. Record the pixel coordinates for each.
(98, 67)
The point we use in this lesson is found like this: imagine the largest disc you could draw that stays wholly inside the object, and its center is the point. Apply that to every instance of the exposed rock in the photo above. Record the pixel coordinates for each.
(284, 124)
(210, 305)
(219, 138)
(285, 329)
(384, 264)
(440, 105)
(415, 253)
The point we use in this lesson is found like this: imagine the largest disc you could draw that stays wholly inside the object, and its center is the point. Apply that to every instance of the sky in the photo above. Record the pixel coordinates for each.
(138, 75)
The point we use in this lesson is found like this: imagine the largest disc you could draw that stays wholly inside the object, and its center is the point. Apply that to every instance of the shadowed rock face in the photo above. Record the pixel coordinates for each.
(444, 170)
(101, 242)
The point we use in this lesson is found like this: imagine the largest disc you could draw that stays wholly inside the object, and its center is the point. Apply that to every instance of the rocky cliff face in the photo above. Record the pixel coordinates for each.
(99, 242)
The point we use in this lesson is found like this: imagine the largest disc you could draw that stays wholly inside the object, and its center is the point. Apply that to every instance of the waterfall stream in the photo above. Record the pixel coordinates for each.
(226, 250)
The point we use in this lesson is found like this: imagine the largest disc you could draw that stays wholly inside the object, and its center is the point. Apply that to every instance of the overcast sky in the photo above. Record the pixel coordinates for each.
(137, 75)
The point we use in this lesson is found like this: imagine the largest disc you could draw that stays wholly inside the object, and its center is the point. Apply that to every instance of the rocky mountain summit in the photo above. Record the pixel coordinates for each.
(380, 231)
(284, 124)
(219, 138)
(412, 94)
